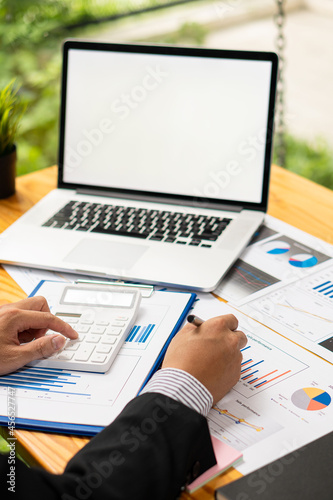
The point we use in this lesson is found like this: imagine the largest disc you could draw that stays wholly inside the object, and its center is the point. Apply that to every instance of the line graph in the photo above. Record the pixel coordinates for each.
(246, 275)
(303, 311)
(243, 280)
(305, 307)
(239, 424)
(237, 420)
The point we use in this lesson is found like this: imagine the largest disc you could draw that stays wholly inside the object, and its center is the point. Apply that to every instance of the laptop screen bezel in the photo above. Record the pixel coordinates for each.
(175, 51)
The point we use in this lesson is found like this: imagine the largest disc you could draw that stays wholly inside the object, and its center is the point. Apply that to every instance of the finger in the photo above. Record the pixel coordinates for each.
(242, 338)
(37, 303)
(38, 349)
(188, 327)
(230, 321)
(28, 320)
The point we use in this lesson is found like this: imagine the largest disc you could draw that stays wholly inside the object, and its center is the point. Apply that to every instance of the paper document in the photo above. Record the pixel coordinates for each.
(278, 254)
(301, 311)
(282, 401)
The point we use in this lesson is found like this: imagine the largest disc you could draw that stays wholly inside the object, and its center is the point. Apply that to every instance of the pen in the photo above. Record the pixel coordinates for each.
(194, 320)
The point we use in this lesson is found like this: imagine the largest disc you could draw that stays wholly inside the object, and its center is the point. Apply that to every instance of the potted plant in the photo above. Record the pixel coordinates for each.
(11, 111)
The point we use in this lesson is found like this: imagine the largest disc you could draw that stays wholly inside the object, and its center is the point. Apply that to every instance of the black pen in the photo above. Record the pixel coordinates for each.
(194, 320)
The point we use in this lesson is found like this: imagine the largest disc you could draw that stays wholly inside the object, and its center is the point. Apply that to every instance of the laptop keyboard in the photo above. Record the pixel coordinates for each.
(169, 227)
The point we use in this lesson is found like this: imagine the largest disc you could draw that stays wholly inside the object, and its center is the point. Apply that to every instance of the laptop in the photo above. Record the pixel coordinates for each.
(164, 160)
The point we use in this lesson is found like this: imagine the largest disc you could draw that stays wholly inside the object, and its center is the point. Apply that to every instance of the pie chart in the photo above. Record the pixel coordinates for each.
(277, 247)
(303, 260)
(311, 399)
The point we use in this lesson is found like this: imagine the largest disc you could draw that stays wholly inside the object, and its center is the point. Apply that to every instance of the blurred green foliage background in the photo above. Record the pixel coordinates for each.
(31, 34)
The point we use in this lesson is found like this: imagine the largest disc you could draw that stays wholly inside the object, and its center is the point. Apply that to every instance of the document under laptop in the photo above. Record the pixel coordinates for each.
(164, 162)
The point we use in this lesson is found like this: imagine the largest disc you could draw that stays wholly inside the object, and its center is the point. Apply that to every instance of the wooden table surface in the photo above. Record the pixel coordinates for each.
(293, 199)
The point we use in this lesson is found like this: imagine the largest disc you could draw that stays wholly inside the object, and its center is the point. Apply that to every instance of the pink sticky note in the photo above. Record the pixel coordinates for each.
(226, 456)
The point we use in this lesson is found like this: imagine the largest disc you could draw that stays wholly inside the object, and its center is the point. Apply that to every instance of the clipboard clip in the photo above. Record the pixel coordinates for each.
(146, 290)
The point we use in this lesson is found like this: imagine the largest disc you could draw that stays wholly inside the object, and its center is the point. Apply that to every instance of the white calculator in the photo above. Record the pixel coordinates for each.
(102, 316)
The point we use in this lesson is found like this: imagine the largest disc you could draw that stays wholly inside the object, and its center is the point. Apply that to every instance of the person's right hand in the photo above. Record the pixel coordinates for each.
(22, 333)
(210, 352)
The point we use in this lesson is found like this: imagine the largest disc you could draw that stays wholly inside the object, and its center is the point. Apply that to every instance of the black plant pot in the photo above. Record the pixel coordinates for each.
(7, 174)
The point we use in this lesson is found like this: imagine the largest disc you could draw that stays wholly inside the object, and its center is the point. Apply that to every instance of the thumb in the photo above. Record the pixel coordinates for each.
(43, 347)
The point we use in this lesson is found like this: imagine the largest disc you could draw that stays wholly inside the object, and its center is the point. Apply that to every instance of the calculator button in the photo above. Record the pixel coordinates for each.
(98, 330)
(72, 320)
(80, 338)
(108, 339)
(102, 323)
(104, 348)
(84, 353)
(81, 328)
(72, 346)
(121, 318)
(114, 331)
(65, 355)
(118, 323)
(93, 338)
(98, 358)
(86, 322)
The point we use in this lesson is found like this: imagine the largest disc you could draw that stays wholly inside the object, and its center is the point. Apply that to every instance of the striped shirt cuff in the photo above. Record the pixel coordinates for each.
(183, 387)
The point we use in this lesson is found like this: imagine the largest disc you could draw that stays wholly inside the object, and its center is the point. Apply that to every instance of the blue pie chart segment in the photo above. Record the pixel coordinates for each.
(323, 398)
(303, 260)
(277, 247)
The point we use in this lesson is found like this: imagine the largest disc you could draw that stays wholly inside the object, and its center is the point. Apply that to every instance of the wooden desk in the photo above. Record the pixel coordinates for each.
(292, 199)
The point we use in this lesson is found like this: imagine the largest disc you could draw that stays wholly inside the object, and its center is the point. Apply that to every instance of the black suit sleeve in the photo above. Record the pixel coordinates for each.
(151, 450)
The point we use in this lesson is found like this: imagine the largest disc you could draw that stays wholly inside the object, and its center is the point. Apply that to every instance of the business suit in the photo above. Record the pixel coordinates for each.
(150, 451)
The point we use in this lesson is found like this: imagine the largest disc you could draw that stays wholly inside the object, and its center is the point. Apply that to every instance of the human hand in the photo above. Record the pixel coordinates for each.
(210, 352)
(24, 321)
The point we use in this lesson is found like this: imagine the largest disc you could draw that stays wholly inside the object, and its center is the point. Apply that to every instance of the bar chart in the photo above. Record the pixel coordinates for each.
(49, 380)
(325, 289)
(250, 369)
(264, 365)
(139, 336)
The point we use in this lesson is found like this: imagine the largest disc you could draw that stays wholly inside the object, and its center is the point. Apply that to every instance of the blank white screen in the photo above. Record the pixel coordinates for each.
(179, 125)
(97, 298)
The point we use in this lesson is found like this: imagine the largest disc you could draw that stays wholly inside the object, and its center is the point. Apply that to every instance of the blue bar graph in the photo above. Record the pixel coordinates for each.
(248, 375)
(140, 334)
(325, 288)
(252, 366)
(323, 284)
(42, 379)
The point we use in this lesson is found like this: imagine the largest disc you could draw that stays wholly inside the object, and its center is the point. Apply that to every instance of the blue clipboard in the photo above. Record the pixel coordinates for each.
(91, 430)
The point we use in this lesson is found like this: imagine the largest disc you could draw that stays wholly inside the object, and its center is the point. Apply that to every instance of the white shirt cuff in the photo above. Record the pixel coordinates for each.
(181, 386)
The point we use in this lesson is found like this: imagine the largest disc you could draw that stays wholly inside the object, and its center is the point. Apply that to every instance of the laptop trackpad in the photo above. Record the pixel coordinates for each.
(108, 255)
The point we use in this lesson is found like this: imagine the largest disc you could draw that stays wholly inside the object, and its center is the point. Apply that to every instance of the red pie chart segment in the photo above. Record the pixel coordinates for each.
(314, 405)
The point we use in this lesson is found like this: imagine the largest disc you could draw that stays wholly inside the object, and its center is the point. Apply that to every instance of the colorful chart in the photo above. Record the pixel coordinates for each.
(237, 420)
(303, 260)
(277, 247)
(311, 399)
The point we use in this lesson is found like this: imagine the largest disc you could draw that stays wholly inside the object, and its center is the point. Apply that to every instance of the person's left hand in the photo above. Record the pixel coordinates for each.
(21, 323)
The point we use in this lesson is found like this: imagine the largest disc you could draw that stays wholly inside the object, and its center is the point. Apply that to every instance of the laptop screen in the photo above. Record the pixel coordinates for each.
(184, 123)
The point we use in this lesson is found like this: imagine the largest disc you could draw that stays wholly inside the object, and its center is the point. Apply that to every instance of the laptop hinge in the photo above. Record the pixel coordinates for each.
(161, 199)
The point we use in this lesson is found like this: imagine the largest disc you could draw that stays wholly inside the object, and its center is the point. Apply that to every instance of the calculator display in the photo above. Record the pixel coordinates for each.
(102, 298)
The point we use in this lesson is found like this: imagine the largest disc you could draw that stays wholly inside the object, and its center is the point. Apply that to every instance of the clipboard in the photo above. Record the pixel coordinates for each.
(83, 403)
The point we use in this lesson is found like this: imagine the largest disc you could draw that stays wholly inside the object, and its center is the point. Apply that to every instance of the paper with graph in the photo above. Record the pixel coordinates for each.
(278, 254)
(282, 401)
(301, 311)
